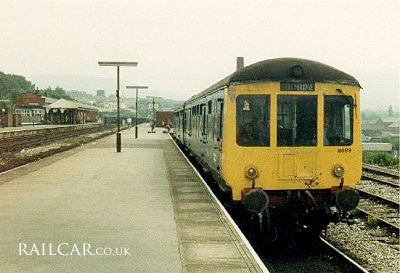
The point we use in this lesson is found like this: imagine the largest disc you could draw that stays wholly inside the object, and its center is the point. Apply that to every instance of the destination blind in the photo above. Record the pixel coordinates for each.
(297, 86)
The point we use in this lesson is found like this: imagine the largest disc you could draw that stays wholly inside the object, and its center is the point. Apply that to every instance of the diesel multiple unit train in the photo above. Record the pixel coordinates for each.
(282, 139)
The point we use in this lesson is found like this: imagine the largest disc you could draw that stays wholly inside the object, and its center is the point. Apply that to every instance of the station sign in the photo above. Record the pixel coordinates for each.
(155, 106)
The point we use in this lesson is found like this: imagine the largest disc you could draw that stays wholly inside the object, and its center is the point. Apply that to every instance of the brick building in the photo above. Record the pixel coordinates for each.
(30, 107)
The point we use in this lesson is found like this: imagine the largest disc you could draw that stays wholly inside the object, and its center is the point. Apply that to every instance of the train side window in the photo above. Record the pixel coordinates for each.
(209, 107)
(297, 121)
(252, 120)
(338, 120)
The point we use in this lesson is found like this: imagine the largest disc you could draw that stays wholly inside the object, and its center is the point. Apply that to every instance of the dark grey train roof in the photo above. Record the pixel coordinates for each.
(285, 69)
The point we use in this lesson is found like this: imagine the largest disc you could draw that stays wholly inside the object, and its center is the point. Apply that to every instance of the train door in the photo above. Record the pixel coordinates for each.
(189, 126)
(297, 133)
(183, 125)
(218, 132)
(204, 123)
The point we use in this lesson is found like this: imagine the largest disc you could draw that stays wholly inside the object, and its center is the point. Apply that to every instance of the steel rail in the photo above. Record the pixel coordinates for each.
(36, 140)
(391, 227)
(20, 163)
(344, 256)
(380, 171)
(388, 202)
(366, 176)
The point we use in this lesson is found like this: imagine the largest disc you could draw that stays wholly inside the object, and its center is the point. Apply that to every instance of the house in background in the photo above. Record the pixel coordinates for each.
(384, 123)
(30, 107)
(393, 129)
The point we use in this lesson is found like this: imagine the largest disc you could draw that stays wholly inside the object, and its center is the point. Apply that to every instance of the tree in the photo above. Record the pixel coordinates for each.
(57, 93)
(13, 85)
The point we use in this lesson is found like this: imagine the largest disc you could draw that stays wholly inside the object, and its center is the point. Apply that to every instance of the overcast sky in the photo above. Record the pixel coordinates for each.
(185, 46)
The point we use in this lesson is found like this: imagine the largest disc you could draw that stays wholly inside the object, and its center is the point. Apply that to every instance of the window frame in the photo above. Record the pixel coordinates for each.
(315, 137)
(351, 101)
(268, 127)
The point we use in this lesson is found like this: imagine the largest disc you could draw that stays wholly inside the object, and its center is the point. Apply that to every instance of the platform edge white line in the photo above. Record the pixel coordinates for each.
(241, 235)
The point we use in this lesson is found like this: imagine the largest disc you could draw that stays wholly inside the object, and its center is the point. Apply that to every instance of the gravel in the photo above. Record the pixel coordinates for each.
(389, 214)
(373, 248)
(34, 151)
(381, 177)
(27, 152)
(385, 191)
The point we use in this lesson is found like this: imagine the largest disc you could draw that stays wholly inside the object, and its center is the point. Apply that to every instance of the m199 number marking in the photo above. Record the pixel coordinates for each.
(344, 150)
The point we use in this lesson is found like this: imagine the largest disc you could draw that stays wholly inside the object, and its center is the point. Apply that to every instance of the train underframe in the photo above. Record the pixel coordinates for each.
(290, 215)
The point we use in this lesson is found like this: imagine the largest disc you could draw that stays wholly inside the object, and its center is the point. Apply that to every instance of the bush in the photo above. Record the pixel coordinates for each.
(372, 221)
(381, 158)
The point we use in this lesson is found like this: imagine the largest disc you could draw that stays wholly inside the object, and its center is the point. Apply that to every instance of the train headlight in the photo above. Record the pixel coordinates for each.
(251, 172)
(338, 170)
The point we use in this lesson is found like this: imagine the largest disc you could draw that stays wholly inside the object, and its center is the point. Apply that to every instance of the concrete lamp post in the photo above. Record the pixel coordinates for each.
(137, 87)
(118, 64)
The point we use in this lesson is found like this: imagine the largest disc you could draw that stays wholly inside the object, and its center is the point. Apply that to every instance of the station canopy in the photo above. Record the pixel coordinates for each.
(63, 105)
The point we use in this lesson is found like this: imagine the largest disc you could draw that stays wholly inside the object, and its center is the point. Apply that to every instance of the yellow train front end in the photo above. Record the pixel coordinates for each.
(298, 156)
(293, 146)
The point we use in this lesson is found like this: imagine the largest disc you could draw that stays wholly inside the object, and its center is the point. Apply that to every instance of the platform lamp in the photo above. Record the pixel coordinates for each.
(137, 87)
(118, 64)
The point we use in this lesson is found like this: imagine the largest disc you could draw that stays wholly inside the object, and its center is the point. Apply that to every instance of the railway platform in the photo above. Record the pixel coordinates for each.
(91, 209)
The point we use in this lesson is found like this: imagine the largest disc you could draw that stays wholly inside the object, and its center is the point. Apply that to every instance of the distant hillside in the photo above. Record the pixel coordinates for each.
(89, 84)
(380, 88)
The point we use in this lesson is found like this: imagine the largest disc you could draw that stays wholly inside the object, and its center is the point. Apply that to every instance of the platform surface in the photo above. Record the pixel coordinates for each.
(146, 199)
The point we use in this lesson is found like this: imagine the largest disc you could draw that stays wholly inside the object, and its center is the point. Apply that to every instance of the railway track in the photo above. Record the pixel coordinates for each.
(18, 143)
(12, 149)
(379, 191)
(319, 256)
(380, 175)
(385, 211)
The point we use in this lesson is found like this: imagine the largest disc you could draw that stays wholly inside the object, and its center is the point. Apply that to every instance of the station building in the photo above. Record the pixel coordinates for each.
(30, 107)
(33, 109)
(69, 112)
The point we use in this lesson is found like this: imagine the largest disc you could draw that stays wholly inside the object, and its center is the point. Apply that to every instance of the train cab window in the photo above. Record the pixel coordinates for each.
(297, 121)
(252, 120)
(338, 120)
